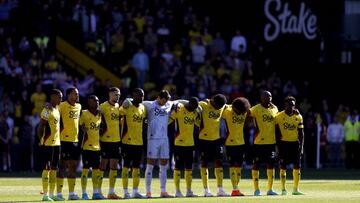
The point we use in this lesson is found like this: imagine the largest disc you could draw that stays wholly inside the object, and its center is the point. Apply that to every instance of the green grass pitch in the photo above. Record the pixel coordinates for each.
(319, 188)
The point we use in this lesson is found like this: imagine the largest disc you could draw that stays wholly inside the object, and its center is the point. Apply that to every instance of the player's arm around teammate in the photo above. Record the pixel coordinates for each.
(49, 134)
(264, 148)
(185, 117)
(210, 144)
(235, 117)
(132, 141)
(70, 149)
(290, 134)
(110, 140)
(90, 124)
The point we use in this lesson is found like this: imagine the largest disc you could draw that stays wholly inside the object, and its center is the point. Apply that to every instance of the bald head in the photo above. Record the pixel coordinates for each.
(265, 98)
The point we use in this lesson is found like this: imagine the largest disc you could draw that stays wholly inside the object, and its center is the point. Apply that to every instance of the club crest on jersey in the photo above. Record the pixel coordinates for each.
(160, 112)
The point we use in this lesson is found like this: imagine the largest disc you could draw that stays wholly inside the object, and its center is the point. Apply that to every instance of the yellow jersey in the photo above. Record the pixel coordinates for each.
(289, 126)
(234, 124)
(91, 139)
(111, 117)
(132, 130)
(210, 121)
(51, 136)
(264, 122)
(184, 125)
(70, 115)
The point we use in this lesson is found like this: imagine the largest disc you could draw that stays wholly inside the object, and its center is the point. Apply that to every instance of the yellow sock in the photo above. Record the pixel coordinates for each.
(283, 178)
(45, 181)
(233, 178)
(219, 175)
(84, 177)
(177, 176)
(59, 184)
(238, 175)
(136, 177)
(95, 178)
(296, 176)
(124, 177)
(71, 184)
(270, 175)
(52, 181)
(204, 176)
(255, 177)
(100, 176)
(188, 179)
(112, 178)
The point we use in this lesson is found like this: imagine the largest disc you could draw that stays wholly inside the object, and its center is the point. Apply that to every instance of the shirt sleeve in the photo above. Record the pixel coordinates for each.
(45, 114)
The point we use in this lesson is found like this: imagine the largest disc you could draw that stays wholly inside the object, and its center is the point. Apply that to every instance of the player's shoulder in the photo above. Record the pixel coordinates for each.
(78, 105)
(281, 114)
(227, 108)
(84, 112)
(257, 106)
(299, 116)
(204, 102)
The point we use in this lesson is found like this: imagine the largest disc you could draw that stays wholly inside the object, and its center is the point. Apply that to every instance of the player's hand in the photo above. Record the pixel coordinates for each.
(296, 111)
(127, 103)
(199, 109)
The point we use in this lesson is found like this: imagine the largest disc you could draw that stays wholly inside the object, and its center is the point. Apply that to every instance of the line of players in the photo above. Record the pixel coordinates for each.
(107, 125)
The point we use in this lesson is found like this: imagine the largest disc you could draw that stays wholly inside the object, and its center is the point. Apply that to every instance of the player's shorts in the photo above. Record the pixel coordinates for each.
(289, 153)
(184, 157)
(158, 148)
(211, 150)
(70, 151)
(235, 154)
(51, 155)
(110, 150)
(264, 154)
(131, 154)
(91, 159)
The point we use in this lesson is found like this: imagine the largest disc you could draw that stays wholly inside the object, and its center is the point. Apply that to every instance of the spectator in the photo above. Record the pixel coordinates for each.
(141, 63)
(238, 43)
(335, 139)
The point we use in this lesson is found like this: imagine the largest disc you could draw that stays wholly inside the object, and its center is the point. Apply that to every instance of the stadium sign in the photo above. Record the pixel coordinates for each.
(283, 21)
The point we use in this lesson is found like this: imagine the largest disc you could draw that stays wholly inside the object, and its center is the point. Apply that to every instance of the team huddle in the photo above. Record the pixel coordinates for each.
(114, 132)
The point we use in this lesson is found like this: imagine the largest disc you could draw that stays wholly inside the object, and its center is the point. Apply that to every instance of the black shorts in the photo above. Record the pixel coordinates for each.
(211, 150)
(264, 154)
(70, 151)
(50, 155)
(289, 153)
(131, 154)
(184, 157)
(110, 150)
(235, 154)
(91, 159)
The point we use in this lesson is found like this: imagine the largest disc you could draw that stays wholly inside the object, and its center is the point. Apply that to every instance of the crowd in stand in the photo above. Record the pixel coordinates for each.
(154, 45)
